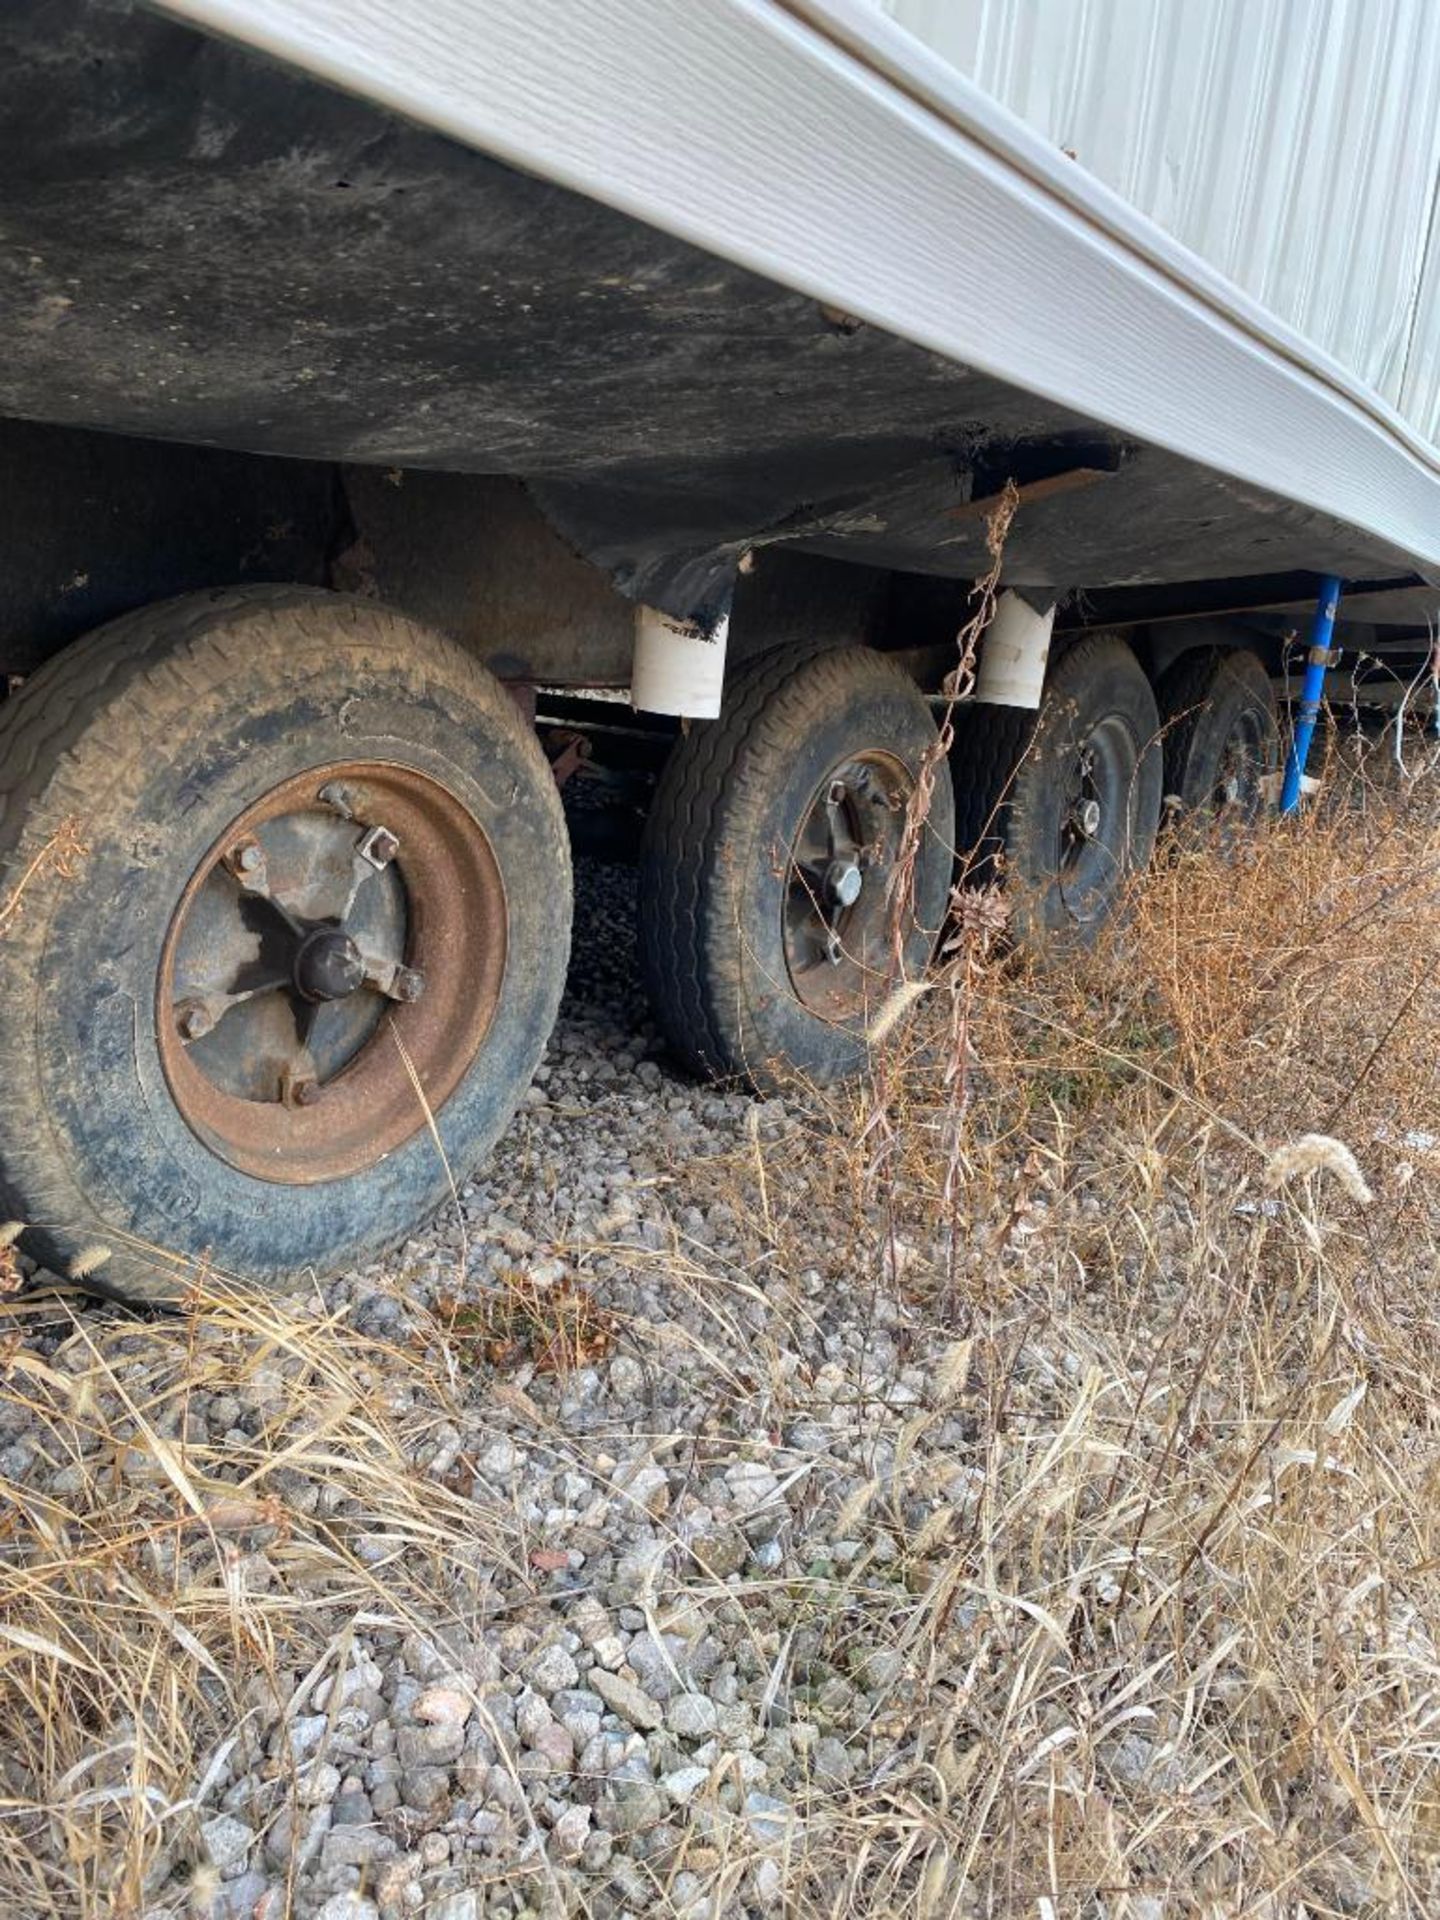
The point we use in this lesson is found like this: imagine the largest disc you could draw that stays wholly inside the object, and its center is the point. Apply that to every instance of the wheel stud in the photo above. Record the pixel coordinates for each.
(339, 798)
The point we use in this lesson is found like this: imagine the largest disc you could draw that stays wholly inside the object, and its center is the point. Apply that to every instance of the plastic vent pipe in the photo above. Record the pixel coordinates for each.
(1312, 690)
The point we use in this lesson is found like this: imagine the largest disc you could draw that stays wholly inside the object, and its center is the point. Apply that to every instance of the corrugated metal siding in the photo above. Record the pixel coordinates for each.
(1293, 144)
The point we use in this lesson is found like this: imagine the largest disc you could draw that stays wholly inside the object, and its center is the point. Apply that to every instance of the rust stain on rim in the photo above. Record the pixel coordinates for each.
(456, 937)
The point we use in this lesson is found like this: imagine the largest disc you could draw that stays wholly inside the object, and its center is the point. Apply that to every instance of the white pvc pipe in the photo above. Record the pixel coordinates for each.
(678, 666)
(1013, 654)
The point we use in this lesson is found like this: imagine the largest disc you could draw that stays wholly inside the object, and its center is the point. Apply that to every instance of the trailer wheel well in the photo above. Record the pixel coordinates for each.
(1161, 645)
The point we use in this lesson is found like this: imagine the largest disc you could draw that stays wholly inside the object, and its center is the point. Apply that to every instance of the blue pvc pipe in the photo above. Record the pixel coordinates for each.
(1312, 691)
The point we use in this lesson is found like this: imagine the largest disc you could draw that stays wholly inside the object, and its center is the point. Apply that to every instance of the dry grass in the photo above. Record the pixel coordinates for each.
(1156, 1557)
(177, 1598)
(59, 854)
(1168, 1595)
(551, 1326)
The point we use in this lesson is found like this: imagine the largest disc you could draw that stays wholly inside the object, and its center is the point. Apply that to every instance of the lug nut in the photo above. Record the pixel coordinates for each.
(297, 1089)
(193, 1020)
(407, 984)
(379, 847)
(245, 857)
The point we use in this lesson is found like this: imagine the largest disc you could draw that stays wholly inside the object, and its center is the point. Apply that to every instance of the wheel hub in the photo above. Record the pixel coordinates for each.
(330, 971)
(1087, 818)
(1239, 790)
(1089, 793)
(328, 965)
(843, 883)
(836, 936)
(1095, 818)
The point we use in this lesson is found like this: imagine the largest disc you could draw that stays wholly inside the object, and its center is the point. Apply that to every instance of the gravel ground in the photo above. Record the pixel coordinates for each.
(660, 1693)
(644, 1708)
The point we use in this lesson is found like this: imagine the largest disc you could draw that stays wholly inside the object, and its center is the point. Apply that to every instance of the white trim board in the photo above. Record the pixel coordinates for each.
(833, 155)
(887, 48)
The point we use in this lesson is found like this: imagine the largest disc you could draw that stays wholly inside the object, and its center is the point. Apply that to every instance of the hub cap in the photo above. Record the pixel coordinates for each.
(837, 893)
(1239, 793)
(1096, 823)
(328, 965)
(347, 929)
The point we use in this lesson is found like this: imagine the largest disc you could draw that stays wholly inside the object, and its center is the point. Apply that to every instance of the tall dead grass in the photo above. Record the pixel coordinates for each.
(1169, 1581)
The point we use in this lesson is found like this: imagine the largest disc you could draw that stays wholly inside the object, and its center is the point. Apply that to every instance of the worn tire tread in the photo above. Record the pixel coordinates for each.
(55, 765)
(990, 742)
(1182, 694)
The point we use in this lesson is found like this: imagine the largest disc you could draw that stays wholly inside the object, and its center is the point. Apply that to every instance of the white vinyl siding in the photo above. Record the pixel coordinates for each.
(1294, 145)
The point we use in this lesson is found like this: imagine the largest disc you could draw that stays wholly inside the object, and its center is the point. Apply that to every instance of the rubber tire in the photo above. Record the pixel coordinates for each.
(730, 799)
(151, 735)
(1009, 769)
(1201, 700)
(990, 742)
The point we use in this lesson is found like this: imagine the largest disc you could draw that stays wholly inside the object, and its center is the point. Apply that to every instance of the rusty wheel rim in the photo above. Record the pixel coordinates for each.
(337, 953)
(836, 904)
